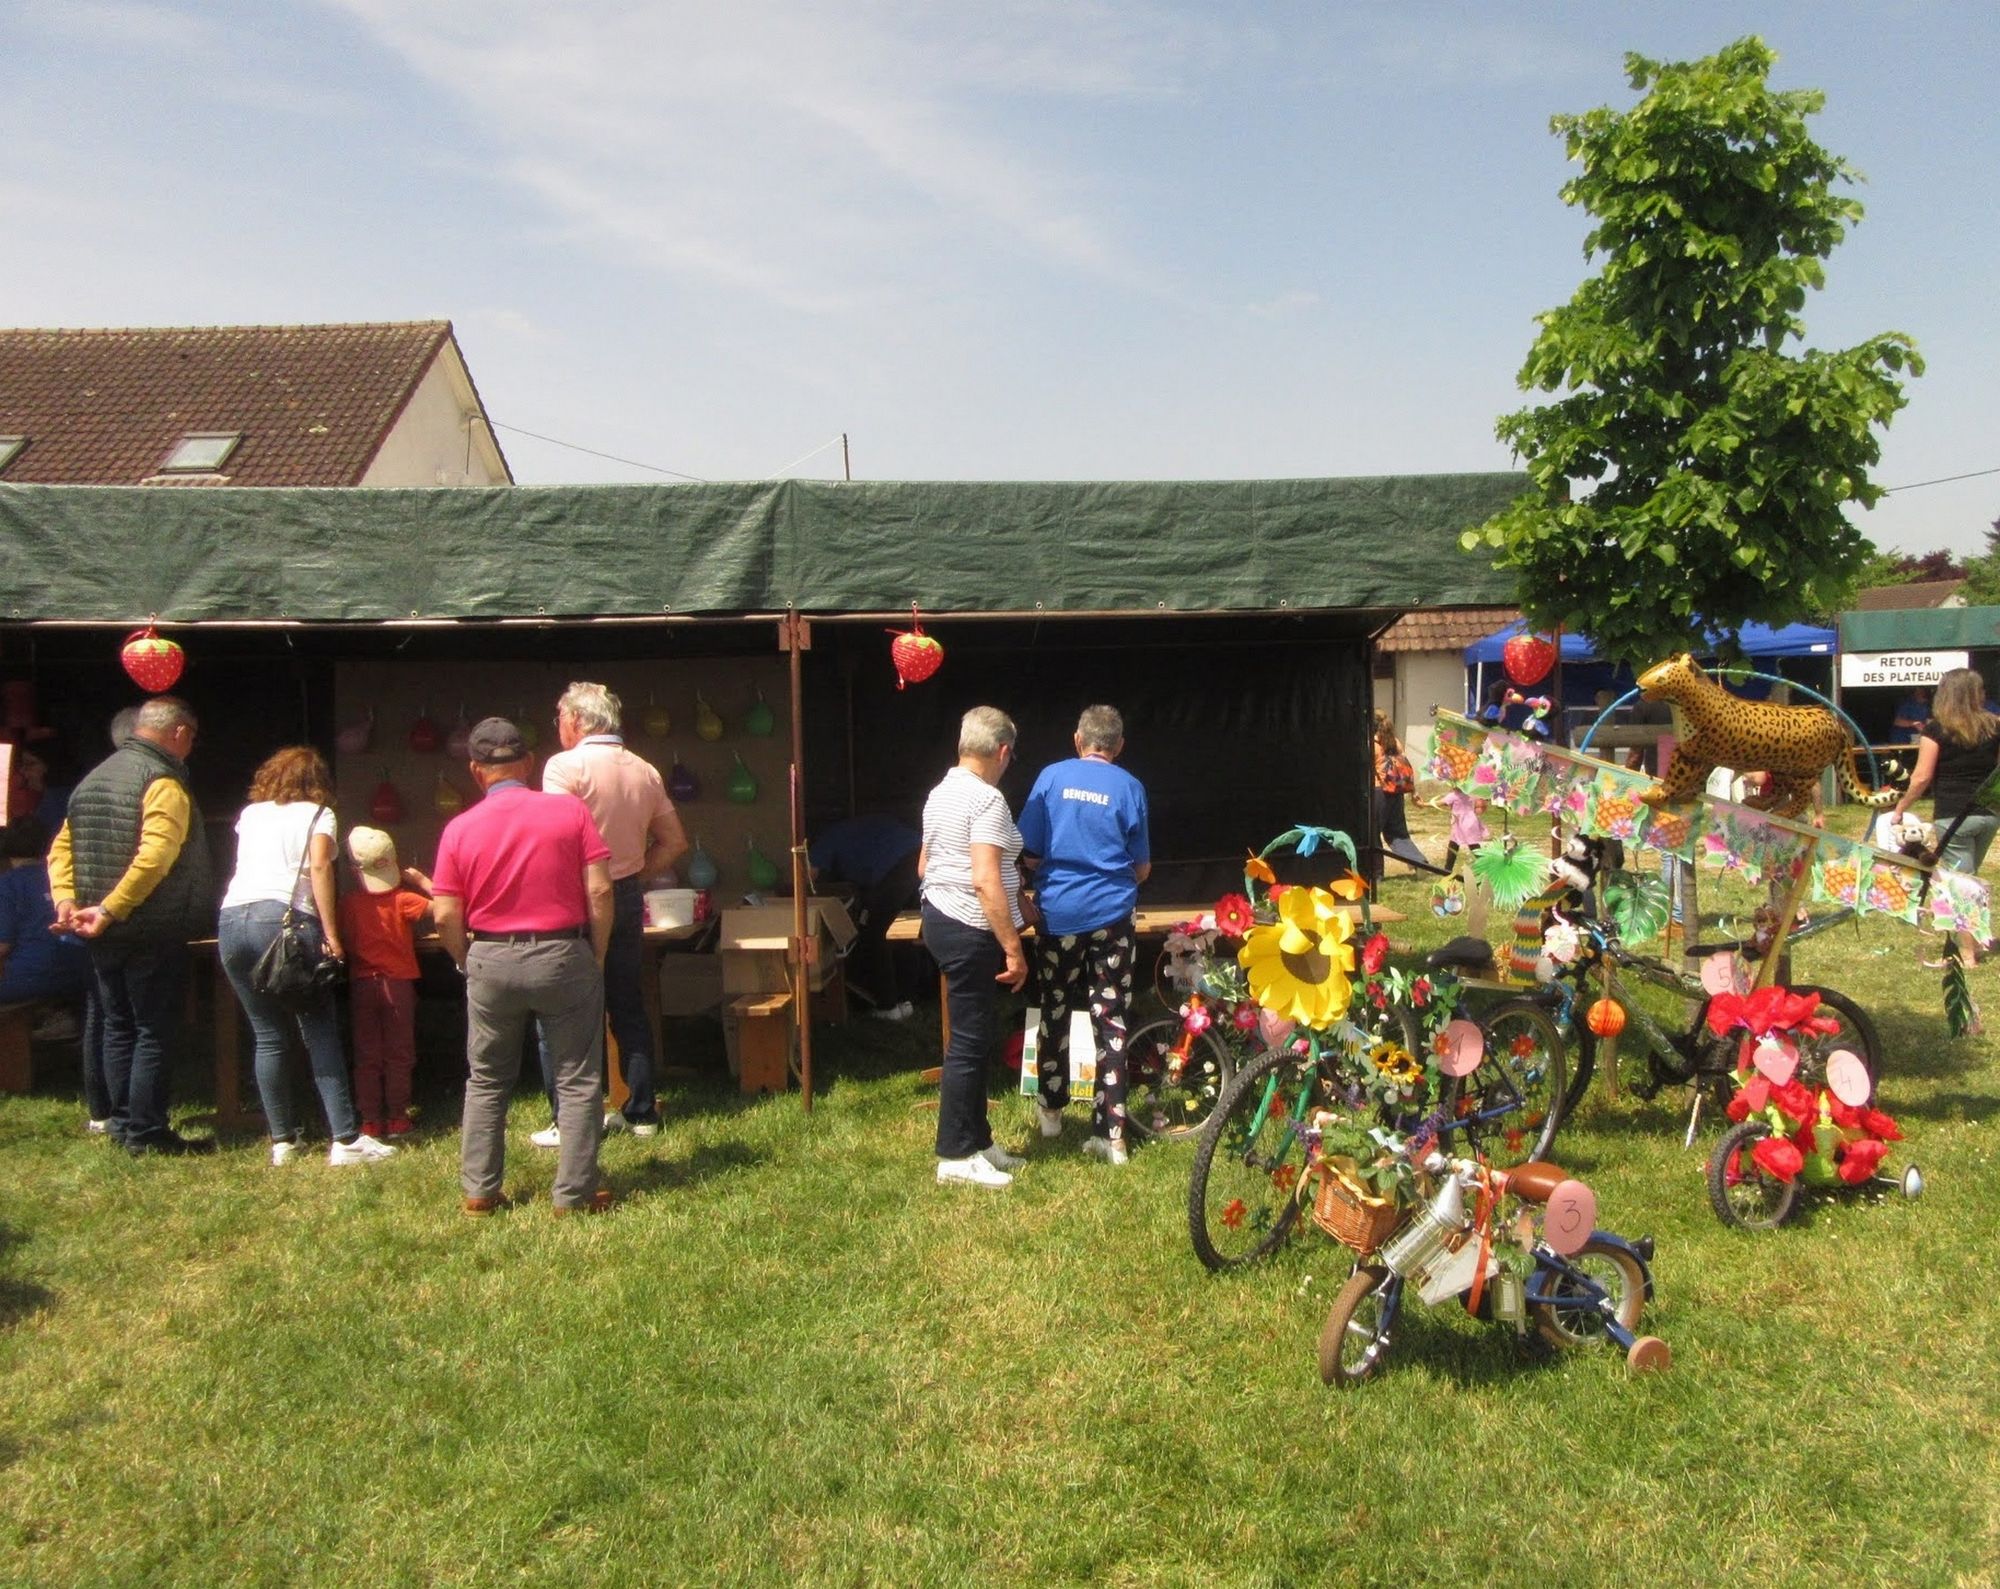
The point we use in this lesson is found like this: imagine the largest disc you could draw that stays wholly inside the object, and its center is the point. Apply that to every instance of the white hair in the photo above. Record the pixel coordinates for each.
(1100, 728)
(595, 708)
(983, 730)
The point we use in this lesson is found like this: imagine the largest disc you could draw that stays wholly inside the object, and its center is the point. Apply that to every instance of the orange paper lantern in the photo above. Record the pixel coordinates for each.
(1606, 1018)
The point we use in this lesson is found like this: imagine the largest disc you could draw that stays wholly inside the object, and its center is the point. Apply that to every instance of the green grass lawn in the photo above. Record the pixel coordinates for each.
(788, 1355)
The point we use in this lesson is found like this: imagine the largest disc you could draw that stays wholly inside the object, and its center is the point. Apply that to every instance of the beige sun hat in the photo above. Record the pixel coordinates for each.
(373, 853)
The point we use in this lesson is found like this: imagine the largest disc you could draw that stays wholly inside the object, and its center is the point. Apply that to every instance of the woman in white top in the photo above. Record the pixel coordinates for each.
(970, 863)
(284, 857)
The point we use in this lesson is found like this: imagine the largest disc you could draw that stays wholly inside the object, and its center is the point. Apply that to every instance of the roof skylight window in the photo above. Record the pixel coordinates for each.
(201, 453)
(10, 449)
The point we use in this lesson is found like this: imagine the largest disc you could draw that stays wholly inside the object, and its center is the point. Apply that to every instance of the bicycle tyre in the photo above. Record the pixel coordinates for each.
(1525, 1059)
(1248, 1160)
(1744, 1196)
(1580, 1323)
(1355, 1337)
(1182, 1107)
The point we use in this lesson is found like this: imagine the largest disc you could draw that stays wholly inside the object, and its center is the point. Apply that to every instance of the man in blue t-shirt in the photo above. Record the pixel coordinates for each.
(1083, 832)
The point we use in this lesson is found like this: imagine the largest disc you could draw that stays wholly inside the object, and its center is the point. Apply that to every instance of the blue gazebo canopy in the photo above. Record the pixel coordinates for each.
(1756, 639)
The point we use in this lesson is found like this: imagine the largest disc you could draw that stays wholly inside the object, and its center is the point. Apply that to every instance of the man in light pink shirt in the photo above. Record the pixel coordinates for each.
(628, 801)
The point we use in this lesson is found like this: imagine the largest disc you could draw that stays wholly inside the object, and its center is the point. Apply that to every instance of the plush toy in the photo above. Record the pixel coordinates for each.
(1794, 744)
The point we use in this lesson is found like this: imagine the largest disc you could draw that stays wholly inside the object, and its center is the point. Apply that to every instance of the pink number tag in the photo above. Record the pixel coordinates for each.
(1776, 1059)
(1274, 1029)
(1756, 1094)
(1718, 975)
(1463, 1047)
(1570, 1217)
(1847, 1077)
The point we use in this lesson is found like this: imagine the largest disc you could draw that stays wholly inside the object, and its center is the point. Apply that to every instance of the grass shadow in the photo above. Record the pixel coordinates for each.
(18, 1297)
(705, 1163)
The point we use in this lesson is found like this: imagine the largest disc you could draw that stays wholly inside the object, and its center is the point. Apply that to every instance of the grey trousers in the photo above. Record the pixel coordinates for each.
(506, 985)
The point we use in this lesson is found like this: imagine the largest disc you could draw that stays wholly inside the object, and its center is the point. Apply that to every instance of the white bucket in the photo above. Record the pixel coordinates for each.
(670, 907)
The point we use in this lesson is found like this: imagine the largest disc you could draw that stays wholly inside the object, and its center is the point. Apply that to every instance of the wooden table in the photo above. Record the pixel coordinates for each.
(232, 1114)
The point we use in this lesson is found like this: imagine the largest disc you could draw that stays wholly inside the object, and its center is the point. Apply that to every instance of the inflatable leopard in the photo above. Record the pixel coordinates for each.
(1791, 743)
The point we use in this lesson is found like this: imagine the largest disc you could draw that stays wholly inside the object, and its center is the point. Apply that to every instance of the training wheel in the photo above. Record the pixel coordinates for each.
(1913, 1183)
(1649, 1355)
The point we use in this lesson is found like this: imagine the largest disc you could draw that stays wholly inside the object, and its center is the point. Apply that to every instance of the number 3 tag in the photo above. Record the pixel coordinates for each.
(1570, 1217)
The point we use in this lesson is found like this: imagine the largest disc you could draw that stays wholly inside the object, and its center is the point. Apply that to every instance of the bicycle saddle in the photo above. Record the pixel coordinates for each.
(1532, 1182)
(1462, 954)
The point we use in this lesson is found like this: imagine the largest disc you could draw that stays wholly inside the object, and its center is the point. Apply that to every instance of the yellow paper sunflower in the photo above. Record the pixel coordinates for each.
(1299, 965)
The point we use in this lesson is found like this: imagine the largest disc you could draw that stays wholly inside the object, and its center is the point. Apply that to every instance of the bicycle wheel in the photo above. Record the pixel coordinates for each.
(1242, 1200)
(1576, 1317)
(1170, 1094)
(1392, 1024)
(1355, 1338)
(1857, 1035)
(1512, 1104)
(1741, 1191)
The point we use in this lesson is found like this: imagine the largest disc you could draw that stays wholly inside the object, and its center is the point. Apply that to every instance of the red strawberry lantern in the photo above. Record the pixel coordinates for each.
(1528, 658)
(153, 661)
(916, 655)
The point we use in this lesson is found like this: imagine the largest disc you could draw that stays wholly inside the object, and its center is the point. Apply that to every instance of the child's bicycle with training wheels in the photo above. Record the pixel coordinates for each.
(1515, 1246)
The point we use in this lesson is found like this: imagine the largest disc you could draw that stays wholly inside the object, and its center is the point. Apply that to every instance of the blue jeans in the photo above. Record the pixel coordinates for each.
(624, 1005)
(970, 958)
(1968, 847)
(245, 933)
(142, 994)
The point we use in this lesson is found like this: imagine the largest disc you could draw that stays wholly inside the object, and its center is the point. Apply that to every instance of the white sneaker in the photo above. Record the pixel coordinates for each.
(547, 1137)
(364, 1149)
(282, 1153)
(976, 1170)
(645, 1128)
(1001, 1159)
(1104, 1148)
(1051, 1120)
(98, 1128)
(614, 1122)
(894, 1012)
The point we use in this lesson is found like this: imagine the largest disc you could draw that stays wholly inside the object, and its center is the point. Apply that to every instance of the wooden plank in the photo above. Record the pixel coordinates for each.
(1149, 921)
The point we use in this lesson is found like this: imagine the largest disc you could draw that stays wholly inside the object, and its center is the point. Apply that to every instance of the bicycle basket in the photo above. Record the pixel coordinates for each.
(1350, 1215)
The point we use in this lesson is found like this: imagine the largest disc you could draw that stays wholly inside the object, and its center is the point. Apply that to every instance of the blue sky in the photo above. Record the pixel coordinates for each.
(1019, 239)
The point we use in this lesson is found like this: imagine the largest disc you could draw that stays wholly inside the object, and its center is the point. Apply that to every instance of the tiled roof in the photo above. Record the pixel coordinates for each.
(1896, 598)
(1445, 628)
(313, 403)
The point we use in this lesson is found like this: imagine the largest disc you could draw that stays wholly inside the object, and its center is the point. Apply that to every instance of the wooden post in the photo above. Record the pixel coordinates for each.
(795, 637)
(1794, 896)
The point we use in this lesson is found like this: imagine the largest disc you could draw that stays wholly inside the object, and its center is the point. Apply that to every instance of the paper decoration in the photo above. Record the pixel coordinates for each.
(760, 720)
(1847, 1078)
(1273, 1028)
(1570, 1217)
(153, 661)
(658, 721)
(1528, 658)
(1719, 974)
(1777, 1061)
(701, 871)
(707, 724)
(354, 739)
(1461, 1046)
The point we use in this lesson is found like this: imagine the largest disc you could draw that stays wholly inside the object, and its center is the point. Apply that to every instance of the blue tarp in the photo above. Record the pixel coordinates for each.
(1757, 640)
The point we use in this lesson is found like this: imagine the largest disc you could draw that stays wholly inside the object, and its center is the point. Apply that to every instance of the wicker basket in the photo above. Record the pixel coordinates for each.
(1351, 1216)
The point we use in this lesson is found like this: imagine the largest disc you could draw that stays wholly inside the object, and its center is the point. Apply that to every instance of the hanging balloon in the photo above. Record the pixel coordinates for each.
(707, 725)
(445, 798)
(701, 872)
(742, 786)
(763, 871)
(1528, 657)
(458, 743)
(915, 654)
(355, 737)
(682, 784)
(385, 805)
(424, 735)
(153, 661)
(760, 720)
(659, 723)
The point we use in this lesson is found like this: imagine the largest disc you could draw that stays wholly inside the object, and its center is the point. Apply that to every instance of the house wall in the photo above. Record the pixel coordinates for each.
(1424, 679)
(439, 438)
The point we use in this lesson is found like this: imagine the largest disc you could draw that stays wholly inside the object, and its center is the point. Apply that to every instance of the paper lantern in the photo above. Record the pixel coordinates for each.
(1528, 658)
(760, 720)
(701, 871)
(153, 661)
(385, 805)
(742, 785)
(424, 736)
(915, 654)
(1605, 1018)
(682, 784)
(707, 722)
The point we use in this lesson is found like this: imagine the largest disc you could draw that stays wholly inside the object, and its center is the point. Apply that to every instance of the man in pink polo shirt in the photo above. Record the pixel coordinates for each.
(523, 901)
(628, 802)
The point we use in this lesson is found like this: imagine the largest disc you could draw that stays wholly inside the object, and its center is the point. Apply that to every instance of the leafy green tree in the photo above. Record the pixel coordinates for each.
(1710, 462)
(1982, 574)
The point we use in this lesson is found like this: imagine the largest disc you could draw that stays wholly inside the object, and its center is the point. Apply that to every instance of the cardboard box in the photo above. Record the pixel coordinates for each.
(754, 938)
(690, 984)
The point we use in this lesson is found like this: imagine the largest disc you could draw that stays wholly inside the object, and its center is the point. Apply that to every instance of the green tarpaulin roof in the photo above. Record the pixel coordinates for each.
(118, 554)
(1921, 629)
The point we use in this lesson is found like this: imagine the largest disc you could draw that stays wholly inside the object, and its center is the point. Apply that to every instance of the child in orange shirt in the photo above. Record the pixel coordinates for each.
(376, 927)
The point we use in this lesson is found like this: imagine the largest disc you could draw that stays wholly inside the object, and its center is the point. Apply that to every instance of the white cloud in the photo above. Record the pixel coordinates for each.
(808, 155)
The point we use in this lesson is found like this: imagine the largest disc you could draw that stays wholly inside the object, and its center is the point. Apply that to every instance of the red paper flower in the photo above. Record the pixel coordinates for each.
(1195, 1017)
(1739, 1107)
(1877, 1124)
(1374, 952)
(1420, 992)
(1283, 1177)
(1522, 1046)
(1846, 1116)
(1777, 1157)
(1245, 1018)
(1797, 1101)
(1232, 1216)
(1233, 916)
(1858, 1161)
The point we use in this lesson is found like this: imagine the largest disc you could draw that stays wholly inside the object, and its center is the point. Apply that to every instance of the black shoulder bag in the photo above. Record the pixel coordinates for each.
(294, 970)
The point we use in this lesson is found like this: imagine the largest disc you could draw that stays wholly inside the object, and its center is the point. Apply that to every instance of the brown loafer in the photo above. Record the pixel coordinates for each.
(480, 1207)
(600, 1203)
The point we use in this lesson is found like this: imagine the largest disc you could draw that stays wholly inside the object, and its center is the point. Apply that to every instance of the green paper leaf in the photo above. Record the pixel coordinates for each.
(1638, 904)
(1510, 870)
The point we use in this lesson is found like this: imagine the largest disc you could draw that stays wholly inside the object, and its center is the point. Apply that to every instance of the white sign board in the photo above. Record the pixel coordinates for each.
(1864, 670)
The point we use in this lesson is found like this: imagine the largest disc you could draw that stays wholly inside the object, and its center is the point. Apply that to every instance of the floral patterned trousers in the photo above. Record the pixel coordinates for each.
(1087, 970)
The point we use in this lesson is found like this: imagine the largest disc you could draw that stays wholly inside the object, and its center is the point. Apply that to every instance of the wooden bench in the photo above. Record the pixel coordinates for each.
(762, 1033)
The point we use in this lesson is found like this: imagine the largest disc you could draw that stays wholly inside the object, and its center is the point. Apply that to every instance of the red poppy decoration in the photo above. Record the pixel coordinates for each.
(1233, 916)
(1374, 952)
(1528, 658)
(154, 661)
(1232, 1216)
(1777, 1157)
(916, 655)
(1859, 1160)
(1877, 1124)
